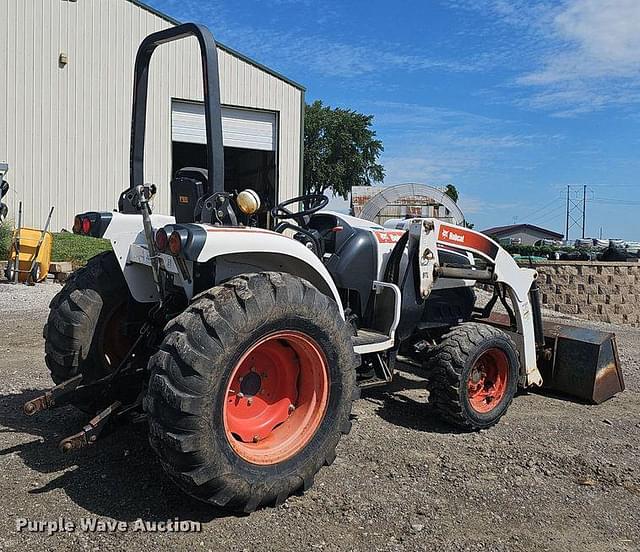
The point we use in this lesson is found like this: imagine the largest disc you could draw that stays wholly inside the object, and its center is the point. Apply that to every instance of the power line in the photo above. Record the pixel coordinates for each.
(532, 213)
(613, 201)
(615, 186)
(559, 209)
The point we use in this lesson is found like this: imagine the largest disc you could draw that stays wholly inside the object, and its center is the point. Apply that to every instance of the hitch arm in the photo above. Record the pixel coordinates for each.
(89, 434)
(55, 397)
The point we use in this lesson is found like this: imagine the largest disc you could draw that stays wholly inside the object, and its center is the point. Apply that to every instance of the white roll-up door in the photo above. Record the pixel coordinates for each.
(241, 128)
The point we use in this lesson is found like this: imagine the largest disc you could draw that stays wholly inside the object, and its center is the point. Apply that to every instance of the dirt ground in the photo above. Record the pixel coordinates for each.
(552, 475)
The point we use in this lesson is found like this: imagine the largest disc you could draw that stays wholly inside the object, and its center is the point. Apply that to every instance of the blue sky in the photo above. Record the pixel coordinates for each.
(510, 100)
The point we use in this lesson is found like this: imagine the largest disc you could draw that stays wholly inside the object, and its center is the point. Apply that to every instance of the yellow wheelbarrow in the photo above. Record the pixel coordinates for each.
(30, 253)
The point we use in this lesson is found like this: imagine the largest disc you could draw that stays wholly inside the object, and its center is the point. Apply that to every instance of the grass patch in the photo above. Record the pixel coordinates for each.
(77, 249)
(5, 239)
(66, 246)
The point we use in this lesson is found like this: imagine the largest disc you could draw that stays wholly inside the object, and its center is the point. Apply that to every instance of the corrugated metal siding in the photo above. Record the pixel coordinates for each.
(65, 131)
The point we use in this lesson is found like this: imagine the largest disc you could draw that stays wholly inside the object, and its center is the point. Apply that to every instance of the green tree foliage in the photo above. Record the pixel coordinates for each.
(340, 150)
(452, 192)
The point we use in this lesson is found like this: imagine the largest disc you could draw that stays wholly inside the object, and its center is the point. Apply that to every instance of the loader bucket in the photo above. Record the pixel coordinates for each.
(580, 362)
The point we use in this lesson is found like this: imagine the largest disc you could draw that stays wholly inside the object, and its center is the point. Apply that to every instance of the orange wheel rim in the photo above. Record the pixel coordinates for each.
(114, 344)
(488, 380)
(276, 398)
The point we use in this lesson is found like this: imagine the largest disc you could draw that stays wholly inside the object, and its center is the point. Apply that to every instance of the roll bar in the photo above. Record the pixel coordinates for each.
(211, 85)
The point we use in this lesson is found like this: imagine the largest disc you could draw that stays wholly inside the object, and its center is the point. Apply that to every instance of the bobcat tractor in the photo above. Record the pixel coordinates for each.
(243, 348)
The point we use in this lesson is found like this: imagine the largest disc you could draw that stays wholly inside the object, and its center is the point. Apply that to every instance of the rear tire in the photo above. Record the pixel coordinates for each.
(474, 374)
(195, 384)
(84, 331)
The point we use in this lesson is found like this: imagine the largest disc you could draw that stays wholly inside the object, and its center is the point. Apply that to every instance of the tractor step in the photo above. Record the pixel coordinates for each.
(371, 341)
(375, 371)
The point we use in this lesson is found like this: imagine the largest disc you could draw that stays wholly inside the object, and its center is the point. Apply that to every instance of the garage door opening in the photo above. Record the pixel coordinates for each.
(249, 139)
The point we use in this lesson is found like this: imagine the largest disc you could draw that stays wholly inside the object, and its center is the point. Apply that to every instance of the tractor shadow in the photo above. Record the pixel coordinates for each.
(119, 477)
(395, 407)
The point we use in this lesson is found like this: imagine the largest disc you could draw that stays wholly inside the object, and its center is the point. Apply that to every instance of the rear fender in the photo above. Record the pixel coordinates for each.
(124, 230)
(240, 250)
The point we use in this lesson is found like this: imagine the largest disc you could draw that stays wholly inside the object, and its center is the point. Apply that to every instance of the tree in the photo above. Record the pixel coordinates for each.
(452, 192)
(340, 150)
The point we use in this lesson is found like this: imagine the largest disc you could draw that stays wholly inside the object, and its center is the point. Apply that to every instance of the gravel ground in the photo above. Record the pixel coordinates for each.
(552, 475)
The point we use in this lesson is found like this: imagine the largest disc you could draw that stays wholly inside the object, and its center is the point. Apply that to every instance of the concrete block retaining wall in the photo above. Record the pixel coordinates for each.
(602, 291)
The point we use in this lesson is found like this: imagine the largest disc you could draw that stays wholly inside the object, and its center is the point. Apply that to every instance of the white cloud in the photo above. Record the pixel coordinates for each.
(334, 58)
(571, 56)
(593, 61)
(601, 40)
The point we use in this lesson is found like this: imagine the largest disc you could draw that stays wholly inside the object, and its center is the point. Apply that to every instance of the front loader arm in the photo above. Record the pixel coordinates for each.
(434, 235)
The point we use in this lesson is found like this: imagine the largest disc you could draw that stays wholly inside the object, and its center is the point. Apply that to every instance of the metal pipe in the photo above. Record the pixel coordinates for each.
(149, 238)
(485, 275)
(566, 234)
(584, 209)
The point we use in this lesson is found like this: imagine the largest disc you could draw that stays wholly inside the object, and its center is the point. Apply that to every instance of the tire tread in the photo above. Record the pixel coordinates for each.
(213, 320)
(447, 362)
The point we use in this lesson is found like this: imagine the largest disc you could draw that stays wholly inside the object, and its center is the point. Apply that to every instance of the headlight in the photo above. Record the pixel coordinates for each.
(248, 202)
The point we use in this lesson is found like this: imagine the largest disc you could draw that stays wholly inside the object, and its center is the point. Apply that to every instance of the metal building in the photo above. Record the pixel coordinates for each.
(65, 109)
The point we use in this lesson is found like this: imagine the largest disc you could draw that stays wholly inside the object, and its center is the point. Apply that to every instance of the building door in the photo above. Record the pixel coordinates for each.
(249, 138)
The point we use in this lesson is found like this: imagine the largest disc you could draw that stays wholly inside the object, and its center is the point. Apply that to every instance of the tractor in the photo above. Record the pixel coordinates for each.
(244, 347)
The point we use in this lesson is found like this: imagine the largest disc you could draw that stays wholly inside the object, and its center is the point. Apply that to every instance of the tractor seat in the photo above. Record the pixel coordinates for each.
(187, 191)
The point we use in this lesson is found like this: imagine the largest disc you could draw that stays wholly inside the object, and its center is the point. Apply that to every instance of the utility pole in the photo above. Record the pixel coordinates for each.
(566, 233)
(575, 204)
(584, 207)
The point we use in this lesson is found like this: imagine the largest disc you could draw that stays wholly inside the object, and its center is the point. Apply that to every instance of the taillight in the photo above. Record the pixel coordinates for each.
(92, 224)
(162, 240)
(175, 243)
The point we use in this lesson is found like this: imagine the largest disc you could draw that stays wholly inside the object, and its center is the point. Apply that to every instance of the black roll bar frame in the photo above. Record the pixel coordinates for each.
(213, 112)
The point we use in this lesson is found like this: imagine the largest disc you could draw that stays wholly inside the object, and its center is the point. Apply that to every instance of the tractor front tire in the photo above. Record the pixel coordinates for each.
(473, 375)
(251, 391)
(84, 331)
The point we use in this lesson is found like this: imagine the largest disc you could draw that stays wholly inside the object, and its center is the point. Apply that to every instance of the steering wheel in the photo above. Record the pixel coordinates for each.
(312, 203)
